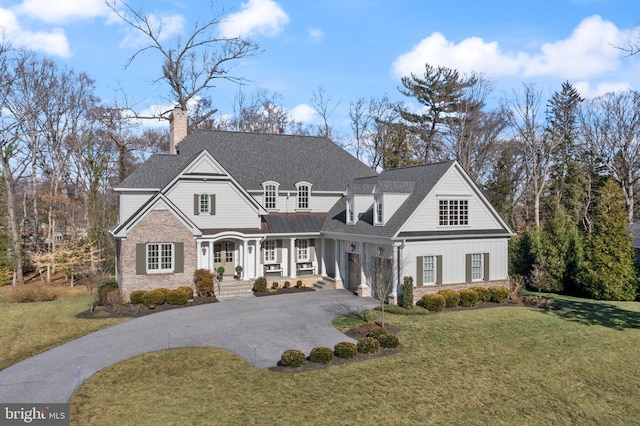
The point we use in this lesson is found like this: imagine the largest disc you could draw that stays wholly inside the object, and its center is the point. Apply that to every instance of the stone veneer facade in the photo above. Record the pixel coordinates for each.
(159, 226)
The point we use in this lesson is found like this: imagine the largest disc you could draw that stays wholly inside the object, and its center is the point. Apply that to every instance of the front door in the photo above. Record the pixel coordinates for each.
(354, 271)
(224, 255)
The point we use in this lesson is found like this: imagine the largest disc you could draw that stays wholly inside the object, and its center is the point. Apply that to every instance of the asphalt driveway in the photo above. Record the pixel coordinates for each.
(256, 329)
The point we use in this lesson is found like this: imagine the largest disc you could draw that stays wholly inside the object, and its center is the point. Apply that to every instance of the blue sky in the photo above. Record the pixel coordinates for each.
(351, 48)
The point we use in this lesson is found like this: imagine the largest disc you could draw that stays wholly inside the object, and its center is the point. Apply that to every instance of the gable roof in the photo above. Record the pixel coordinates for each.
(417, 180)
(253, 158)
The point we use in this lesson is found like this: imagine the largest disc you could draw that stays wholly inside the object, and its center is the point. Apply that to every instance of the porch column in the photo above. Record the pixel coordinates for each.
(245, 259)
(395, 278)
(336, 250)
(363, 289)
(292, 258)
(257, 267)
(321, 260)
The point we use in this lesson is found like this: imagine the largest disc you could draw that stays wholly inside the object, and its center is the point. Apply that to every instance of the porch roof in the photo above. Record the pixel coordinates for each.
(292, 223)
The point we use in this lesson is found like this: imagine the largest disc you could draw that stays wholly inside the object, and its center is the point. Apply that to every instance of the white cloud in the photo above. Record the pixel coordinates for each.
(166, 26)
(255, 17)
(315, 34)
(303, 113)
(63, 10)
(52, 42)
(587, 91)
(587, 52)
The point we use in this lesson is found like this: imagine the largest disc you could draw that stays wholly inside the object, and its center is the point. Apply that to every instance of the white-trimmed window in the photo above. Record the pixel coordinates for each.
(160, 257)
(377, 210)
(303, 250)
(429, 272)
(453, 212)
(350, 211)
(477, 266)
(270, 251)
(304, 192)
(204, 204)
(270, 195)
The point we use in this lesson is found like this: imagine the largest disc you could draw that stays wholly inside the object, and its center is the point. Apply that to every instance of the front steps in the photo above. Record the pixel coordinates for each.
(325, 283)
(233, 289)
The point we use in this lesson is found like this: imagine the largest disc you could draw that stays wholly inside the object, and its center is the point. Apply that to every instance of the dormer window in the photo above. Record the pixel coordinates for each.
(453, 212)
(350, 211)
(270, 195)
(377, 210)
(304, 194)
(204, 204)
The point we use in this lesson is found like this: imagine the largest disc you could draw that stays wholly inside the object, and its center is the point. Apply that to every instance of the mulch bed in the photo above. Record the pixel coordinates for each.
(128, 310)
(283, 291)
(355, 333)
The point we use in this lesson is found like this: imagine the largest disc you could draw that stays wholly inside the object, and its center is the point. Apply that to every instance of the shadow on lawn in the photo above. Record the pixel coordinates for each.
(596, 313)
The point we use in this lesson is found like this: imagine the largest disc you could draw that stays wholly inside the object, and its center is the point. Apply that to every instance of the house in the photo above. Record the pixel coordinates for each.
(299, 207)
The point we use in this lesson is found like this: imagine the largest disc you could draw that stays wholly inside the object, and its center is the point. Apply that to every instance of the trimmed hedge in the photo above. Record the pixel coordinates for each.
(274, 285)
(260, 285)
(407, 292)
(468, 298)
(388, 341)
(452, 298)
(187, 290)
(154, 297)
(136, 296)
(177, 297)
(321, 355)
(368, 345)
(298, 283)
(292, 358)
(345, 350)
(433, 302)
(377, 332)
(499, 294)
(286, 284)
(484, 295)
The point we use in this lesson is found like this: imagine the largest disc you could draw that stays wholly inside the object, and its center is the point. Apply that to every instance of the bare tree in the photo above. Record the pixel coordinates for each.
(325, 106)
(379, 272)
(192, 65)
(610, 126)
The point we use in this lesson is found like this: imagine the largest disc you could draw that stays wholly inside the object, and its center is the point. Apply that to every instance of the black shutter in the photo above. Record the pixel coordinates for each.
(212, 204)
(179, 258)
(196, 204)
(439, 269)
(312, 250)
(486, 266)
(467, 267)
(141, 259)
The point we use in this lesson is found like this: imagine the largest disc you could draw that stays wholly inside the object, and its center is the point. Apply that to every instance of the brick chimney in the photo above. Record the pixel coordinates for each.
(177, 129)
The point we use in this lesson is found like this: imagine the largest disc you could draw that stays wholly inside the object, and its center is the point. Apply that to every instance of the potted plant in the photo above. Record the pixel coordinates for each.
(238, 272)
(220, 271)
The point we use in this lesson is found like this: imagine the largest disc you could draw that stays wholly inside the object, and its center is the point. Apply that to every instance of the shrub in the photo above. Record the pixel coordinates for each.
(452, 298)
(238, 270)
(345, 350)
(286, 284)
(484, 295)
(110, 283)
(292, 358)
(368, 345)
(298, 283)
(499, 294)
(108, 293)
(321, 355)
(176, 297)
(220, 270)
(468, 298)
(407, 292)
(30, 293)
(187, 290)
(433, 302)
(260, 285)
(137, 296)
(153, 297)
(377, 332)
(204, 282)
(388, 341)
(274, 285)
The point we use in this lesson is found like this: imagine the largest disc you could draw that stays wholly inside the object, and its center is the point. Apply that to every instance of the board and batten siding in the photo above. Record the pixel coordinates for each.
(232, 209)
(130, 202)
(451, 186)
(454, 257)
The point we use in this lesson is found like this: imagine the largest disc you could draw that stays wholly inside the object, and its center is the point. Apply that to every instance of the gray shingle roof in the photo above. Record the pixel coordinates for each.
(253, 158)
(422, 178)
(288, 223)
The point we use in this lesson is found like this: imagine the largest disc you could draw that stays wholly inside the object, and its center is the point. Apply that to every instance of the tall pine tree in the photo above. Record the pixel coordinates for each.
(608, 272)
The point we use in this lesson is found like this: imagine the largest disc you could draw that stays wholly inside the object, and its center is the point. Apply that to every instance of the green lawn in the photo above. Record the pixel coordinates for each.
(27, 329)
(578, 364)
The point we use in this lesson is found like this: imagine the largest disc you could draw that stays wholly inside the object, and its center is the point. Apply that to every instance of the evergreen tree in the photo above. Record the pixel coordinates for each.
(608, 271)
